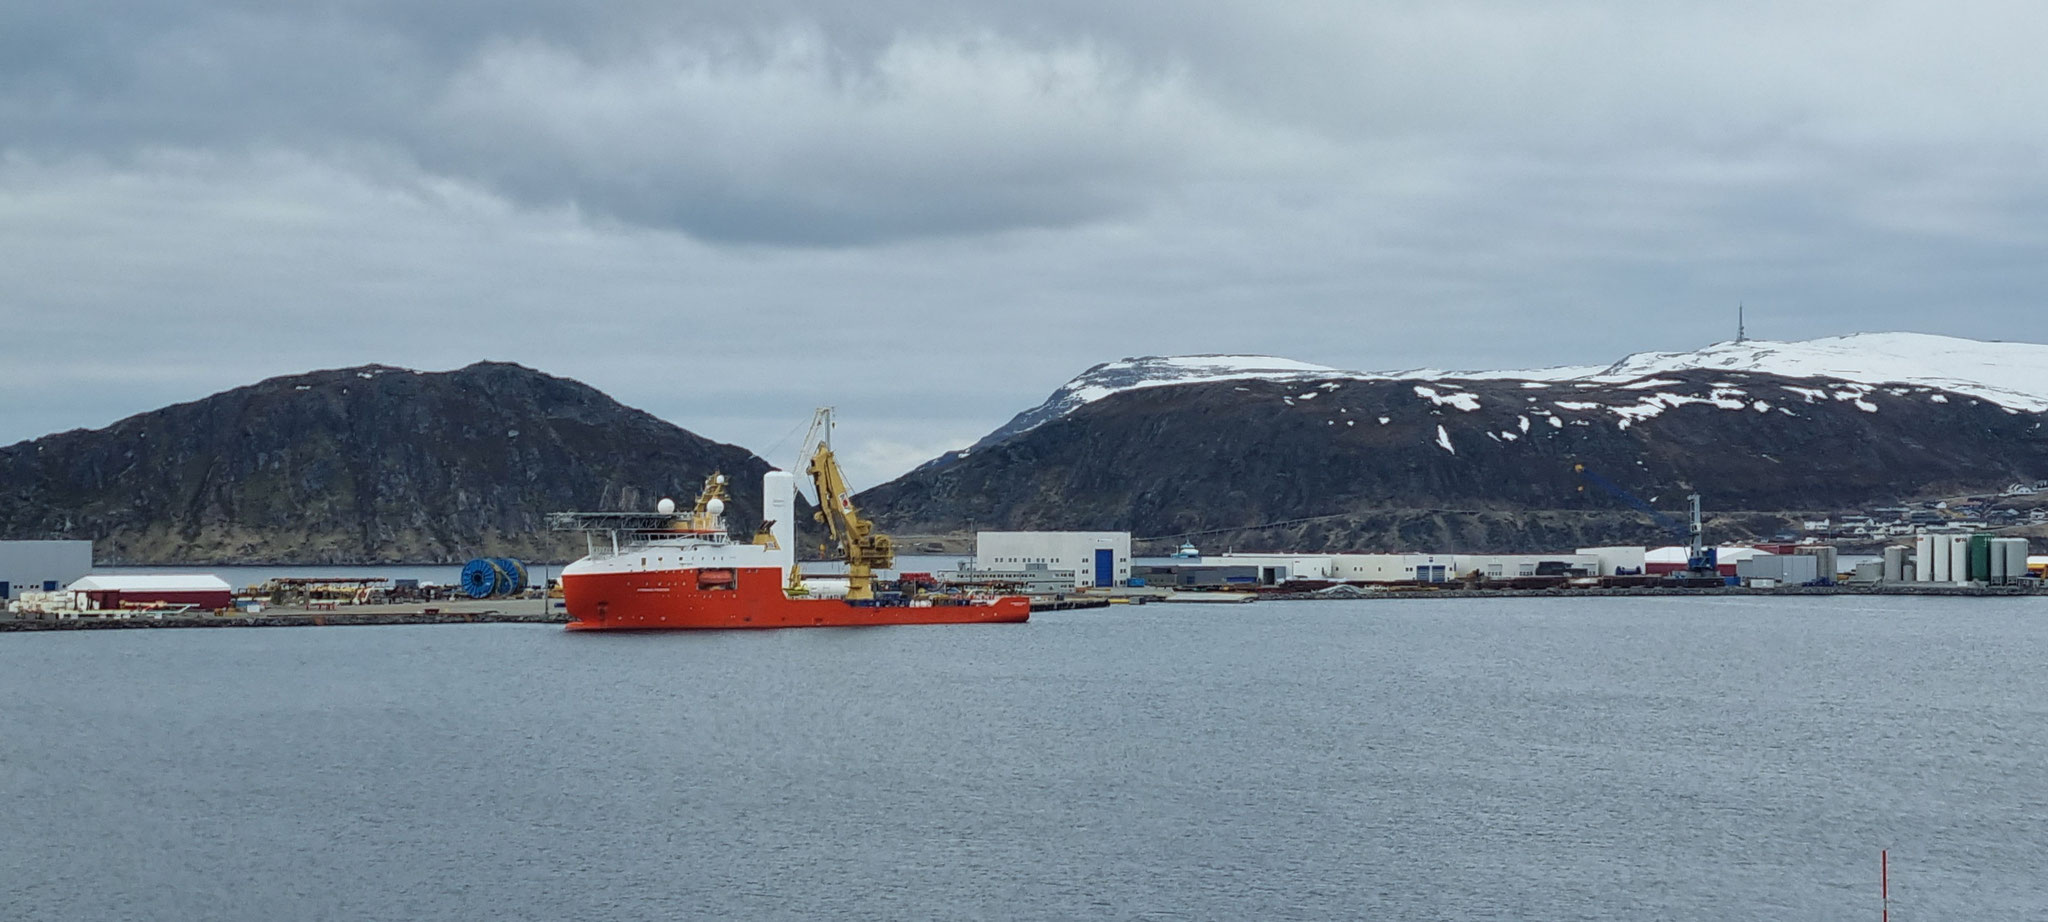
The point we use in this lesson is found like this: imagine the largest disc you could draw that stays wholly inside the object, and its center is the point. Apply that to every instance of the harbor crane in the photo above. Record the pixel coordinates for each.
(864, 549)
(1699, 559)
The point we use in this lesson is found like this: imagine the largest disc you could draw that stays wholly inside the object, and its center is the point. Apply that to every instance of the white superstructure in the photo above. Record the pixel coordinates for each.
(628, 542)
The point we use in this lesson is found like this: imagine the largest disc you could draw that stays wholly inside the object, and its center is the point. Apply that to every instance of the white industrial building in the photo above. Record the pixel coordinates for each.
(1619, 561)
(1429, 568)
(1780, 569)
(41, 566)
(1096, 558)
(1392, 568)
(1274, 569)
(1509, 566)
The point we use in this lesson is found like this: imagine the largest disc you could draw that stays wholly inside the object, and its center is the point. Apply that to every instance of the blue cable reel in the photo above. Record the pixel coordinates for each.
(479, 579)
(488, 577)
(512, 576)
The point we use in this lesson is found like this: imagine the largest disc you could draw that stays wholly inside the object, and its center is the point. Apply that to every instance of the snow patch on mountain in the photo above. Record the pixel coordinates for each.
(2008, 374)
(2013, 375)
(1131, 374)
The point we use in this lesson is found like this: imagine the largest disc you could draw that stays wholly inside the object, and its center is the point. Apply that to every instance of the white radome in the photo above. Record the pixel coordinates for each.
(715, 507)
(666, 506)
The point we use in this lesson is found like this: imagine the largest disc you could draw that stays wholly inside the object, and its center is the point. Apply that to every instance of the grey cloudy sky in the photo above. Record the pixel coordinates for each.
(932, 214)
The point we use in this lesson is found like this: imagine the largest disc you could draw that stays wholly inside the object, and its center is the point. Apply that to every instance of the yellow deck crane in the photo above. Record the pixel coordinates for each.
(864, 549)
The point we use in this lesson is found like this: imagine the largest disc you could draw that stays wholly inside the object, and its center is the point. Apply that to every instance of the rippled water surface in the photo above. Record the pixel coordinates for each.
(1504, 759)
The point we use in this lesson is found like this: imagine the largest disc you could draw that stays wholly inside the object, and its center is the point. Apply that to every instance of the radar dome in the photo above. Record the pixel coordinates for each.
(666, 506)
(715, 506)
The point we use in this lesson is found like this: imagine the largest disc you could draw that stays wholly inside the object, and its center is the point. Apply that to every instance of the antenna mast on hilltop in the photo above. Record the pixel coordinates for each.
(1740, 333)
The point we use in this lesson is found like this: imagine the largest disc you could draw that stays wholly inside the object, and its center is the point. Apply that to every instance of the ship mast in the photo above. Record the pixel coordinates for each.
(708, 516)
(864, 549)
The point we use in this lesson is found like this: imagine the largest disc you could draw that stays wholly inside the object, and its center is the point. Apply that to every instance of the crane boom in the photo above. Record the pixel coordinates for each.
(1663, 521)
(1699, 559)
(864, 549)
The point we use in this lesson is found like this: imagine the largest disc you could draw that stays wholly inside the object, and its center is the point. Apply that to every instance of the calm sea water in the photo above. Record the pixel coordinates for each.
(1554, 759)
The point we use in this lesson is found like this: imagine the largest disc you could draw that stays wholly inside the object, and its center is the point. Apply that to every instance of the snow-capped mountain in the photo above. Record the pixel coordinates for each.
(1131, 374)
(1425, 458)
(2013, 375)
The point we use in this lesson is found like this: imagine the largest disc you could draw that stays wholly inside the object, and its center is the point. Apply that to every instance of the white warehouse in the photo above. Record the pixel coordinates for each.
(1279, 568)
(41, 566)
(1428, 568)
(1443, 568)
(1097, 558)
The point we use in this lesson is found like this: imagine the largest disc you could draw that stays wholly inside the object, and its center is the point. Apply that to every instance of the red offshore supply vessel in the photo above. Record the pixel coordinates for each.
(669, 571)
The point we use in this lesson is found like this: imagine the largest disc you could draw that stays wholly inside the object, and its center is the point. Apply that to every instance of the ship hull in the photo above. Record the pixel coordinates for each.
(748, 598)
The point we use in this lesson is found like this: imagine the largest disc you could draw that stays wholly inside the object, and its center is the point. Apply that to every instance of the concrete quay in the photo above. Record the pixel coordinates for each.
(283, 619)
(1905, 589)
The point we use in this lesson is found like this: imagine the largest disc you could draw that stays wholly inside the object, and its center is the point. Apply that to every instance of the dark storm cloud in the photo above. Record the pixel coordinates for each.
(777, 125)
(799, 202)
(807, 123)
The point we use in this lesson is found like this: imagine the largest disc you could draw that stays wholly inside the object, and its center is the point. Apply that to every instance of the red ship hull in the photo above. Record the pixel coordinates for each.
(748, 597)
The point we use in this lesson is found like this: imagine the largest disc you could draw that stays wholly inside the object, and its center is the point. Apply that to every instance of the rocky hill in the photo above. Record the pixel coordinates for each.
(360, 465)
(1488, 461)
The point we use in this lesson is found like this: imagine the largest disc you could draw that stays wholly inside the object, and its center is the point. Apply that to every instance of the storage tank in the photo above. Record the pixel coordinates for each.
(1980, 557)
(1959, 558)
(1827, 560)
(2016, 557)
(1923, 558)
(1912, 573)
(2008, 559)
(1895, 564)
(1938, 551)
(1994, 554)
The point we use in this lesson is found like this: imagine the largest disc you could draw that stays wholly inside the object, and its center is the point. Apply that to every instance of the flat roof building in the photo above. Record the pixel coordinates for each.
(1096, 558)
(41, 566)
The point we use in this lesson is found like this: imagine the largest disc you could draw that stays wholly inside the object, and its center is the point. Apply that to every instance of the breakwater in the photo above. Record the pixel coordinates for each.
(319, 619)
(1038, 605)
(1662, 591)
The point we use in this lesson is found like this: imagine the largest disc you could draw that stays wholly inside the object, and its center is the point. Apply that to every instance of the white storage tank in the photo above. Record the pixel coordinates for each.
(1938, 552)
(1829, 560)
(2010, 556)
(1895, 564)
(1923, 558)
(1959, 558)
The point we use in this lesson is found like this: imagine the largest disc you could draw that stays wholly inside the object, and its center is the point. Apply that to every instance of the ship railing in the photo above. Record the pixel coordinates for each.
(624, 530)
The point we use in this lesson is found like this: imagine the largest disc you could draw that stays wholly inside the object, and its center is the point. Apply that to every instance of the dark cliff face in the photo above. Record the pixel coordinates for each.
(1470, 465)
(371, 465)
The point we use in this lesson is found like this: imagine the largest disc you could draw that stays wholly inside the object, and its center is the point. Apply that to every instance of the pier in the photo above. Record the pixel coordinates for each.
(341, 618)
